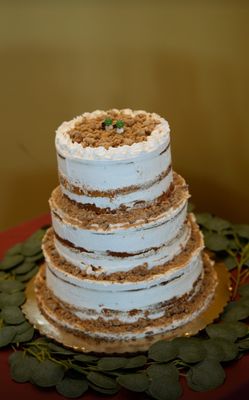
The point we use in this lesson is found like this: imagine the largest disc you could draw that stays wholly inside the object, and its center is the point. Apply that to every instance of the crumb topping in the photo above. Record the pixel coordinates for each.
(113, 128)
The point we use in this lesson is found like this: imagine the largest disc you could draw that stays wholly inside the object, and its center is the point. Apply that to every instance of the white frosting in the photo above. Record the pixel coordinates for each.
(71, 150)
(109, 264)
(97, 294)
(148, 195)
(120, 238)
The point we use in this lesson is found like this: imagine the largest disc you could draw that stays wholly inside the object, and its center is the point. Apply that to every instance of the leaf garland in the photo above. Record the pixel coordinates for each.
(201, 359)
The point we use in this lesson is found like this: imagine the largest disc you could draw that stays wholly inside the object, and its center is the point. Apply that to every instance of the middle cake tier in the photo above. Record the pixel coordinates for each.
(102, 241)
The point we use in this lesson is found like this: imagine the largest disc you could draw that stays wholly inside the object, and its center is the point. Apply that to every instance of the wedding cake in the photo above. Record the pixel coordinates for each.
(124, 258)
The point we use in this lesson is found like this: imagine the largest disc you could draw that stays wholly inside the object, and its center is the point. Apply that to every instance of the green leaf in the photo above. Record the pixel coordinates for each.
(22, 327)
(36, 258)
(206, 375)
(32, 245)
(217, 224)
(191, 351)
(230, 262)
(244, 290)
(72, 388)
(164, 382)
(163, 371)
(14, 250)
(23, 268)
(134, 382)
(21, 369)
(242, 230)
(59, 350)
(11, 286)
(224, 330)
(85, 358)
(111, 363)
(102, 390)
(12, 315)
(11, 261)
(26, 277)
(101, 380)
(15, 299)
(203, 219)
(163, 351)
(244, 344)
(47, 373)
(7, 333)
(213, 349)
(135, 362)
(235, 311)
(26, 336)
(215, 241)
(229, 349)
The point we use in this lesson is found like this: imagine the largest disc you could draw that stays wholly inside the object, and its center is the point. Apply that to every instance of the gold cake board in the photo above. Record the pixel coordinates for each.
(89, 345)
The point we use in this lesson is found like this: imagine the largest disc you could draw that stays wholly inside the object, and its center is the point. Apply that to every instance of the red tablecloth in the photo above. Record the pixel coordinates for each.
(235, 387)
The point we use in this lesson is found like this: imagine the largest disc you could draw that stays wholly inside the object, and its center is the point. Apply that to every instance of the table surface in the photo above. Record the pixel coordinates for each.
(236, 385)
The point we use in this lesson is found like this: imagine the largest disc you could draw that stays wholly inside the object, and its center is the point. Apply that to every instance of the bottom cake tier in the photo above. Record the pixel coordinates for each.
(148, 304)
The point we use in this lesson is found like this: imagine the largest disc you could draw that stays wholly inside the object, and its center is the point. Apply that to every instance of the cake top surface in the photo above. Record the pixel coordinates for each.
(111, 134)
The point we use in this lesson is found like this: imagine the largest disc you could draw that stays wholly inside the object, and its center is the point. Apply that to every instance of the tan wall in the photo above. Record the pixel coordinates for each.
(187, 60)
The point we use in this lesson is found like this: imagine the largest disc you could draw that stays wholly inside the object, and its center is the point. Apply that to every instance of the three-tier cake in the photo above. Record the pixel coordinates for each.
(124, 259)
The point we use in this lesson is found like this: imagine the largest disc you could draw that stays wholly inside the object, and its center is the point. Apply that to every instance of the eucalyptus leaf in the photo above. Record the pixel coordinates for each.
(203, 218)
(59, 350)
(227, 330)
(163, 371)
(23, 327)
(244, 344)
(12, 315)
(230, 262)
(102, 390)
(135, 362)
(242, 230)
(244, 290)
(11, 261)
(47, 373)
(215, 241)
(15, 357)
(32, 245)
(206, 375)
(11, 286)
(217, 224)
(7, 333)
(163, 351)
(21, 370)
(15, 299)
(101, 380)
(134, 382)
(36, 258)
(111, 363)
(14, 250)
(72, 388)
(24, 337)
(25, 267)
(213, 349)
(85, 358)
(235, 311)
(191, 351)
(26, 277)
(229, 349)
(164, 382)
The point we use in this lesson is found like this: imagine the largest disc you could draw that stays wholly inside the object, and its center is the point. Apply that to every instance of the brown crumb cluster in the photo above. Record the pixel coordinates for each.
(59, 314)
(89, 217)
(139, 273)
(90, 132)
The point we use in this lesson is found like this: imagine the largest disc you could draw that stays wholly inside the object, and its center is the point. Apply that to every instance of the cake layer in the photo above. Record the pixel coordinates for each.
(124, 292)
(108, 262)
(111, 325)
(109, 177)
(133, 231)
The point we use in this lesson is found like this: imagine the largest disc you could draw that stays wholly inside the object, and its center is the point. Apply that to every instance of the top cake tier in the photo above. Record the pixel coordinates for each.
(115, 158)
